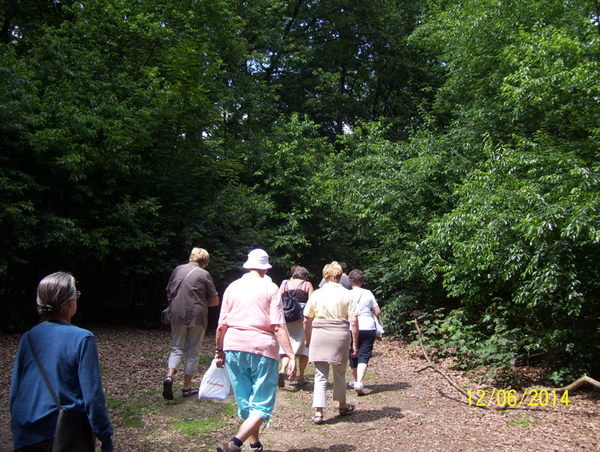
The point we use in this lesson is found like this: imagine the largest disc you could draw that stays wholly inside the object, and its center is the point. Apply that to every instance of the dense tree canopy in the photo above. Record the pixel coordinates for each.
(449, 149)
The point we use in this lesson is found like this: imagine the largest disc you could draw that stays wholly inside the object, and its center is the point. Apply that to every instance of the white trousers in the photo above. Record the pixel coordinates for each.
(339, 384)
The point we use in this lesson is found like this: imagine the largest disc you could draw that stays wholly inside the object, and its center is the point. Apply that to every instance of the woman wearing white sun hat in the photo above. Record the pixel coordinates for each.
(251, 328)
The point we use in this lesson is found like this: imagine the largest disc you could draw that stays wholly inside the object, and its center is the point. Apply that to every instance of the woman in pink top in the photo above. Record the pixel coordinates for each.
(251, 328)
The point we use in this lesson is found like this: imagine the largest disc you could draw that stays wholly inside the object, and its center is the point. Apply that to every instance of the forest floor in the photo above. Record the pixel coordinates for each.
(408, 407)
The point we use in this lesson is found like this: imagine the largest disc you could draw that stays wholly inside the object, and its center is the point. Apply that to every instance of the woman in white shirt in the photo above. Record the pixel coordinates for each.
(367, 329)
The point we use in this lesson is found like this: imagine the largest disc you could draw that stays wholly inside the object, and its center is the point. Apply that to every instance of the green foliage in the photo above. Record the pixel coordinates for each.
(111, 168)
(515, 246)
(340, 62)
(448, 149)
(489, 347)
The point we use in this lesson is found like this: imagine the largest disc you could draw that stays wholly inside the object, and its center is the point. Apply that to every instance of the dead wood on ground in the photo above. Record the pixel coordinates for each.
(576, 384)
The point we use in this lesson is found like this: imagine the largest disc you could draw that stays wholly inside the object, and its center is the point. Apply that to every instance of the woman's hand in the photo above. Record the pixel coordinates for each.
(291, 372)
(219, 353)
(220, 357)
(354, 328)
(307, 330)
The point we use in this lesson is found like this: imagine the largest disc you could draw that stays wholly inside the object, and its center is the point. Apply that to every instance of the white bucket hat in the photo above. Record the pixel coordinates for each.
(257, 259)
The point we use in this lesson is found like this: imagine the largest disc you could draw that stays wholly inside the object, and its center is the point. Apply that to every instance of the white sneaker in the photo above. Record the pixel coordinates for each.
(351, 384)
(358, 387)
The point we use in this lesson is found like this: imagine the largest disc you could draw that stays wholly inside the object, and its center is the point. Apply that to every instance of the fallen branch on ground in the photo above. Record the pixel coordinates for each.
(576, 384)
(434, 367)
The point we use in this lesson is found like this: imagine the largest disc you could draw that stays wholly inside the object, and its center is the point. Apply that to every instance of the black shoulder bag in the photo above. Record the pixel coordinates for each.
(73, 431)
(292, 309)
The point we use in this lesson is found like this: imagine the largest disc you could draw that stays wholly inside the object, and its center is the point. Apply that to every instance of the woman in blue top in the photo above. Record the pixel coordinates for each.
(369, 309)
(70, 358)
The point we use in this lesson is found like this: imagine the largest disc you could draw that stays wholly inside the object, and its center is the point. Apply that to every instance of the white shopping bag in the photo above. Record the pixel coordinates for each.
(215, 383)
(379, 331)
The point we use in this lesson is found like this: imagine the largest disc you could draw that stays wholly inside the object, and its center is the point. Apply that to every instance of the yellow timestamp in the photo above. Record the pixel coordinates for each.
(531, 397)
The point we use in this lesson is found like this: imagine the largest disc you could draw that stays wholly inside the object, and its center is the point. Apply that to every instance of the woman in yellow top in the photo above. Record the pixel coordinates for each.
(327, 317)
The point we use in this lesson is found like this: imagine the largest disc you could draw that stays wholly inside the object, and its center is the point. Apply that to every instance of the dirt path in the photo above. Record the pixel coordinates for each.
(406, 408)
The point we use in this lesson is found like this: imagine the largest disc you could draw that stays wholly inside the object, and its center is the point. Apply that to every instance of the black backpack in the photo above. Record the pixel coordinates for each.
(292, 309)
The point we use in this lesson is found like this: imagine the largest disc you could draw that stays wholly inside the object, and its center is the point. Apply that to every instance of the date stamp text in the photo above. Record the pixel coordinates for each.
(529, 397)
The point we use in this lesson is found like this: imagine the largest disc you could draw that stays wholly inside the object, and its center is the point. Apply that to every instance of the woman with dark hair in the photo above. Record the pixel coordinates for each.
(69, 357)
(302, 290)
(369, 309)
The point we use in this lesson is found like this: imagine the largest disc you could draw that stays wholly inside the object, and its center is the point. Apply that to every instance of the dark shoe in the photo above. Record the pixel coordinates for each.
(257, 449)
(301, 381)
(228, 447)
(168, 388)
(189, 392)
(347, 411)
(281, 381)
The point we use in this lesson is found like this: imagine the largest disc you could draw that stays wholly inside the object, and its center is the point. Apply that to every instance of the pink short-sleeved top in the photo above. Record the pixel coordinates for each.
(251, 306)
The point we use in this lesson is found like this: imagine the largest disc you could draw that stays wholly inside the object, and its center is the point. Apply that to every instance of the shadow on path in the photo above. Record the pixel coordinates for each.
(334, 448)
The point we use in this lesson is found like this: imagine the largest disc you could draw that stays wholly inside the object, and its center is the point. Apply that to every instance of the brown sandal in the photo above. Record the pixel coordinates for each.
(189, 392)
(349, 410)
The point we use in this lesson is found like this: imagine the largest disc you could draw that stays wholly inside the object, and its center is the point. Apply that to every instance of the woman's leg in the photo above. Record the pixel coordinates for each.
(178, 345)
(284, 363)
(353, 365)
(250, 428)
(366, 339)
(195, 336)
(320, 387)
(178, 341)
(253, 379)
(339, 385)
(303, 359)
(360, 372)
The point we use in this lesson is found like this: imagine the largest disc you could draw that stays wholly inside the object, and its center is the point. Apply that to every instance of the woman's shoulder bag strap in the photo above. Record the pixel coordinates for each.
(46, 379)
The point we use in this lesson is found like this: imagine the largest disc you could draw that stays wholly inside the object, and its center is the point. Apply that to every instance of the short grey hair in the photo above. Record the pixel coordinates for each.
(54, 291)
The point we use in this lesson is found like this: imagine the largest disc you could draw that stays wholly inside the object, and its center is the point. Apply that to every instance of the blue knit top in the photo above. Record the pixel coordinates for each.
(69, 356)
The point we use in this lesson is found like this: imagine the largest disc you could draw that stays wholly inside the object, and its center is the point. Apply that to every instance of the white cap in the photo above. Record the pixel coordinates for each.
(257, 259)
